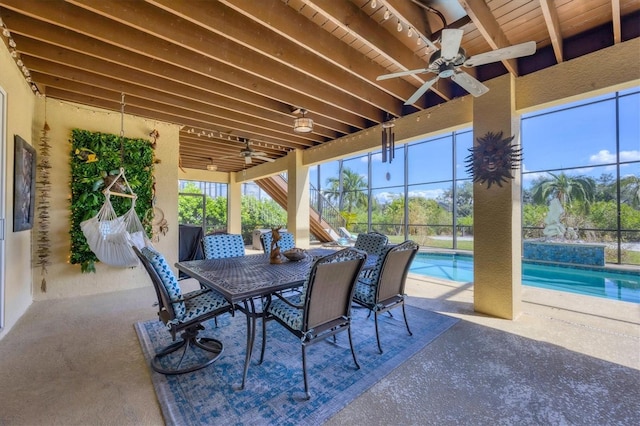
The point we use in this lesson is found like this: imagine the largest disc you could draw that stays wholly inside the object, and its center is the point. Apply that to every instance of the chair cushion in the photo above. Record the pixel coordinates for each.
(365, 292)
(288, 314)
(222, 246)
(286, 241)
(168, 278)
(198, 303)
(372, 243)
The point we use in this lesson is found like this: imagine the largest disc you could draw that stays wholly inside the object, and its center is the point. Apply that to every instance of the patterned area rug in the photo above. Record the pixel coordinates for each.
(274, 391)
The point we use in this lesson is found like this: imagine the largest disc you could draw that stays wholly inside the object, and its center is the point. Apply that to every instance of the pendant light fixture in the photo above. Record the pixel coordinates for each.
(303, 124)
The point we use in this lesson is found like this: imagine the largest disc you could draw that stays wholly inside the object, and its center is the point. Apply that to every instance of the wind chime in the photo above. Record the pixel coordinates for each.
(388, 140)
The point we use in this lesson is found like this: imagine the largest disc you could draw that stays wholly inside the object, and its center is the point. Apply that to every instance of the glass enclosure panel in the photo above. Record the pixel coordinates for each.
(387, 174)
(464, 142)
(431, 161)
(629, 111)
(355, 211)
(430, 220)
(580, 136)
(387, 212)
(328, 173)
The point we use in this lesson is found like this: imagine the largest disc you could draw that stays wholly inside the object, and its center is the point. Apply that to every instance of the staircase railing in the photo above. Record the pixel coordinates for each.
(325, 209)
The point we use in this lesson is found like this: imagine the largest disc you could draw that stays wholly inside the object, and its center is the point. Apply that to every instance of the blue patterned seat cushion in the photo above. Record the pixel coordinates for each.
(290, 315)
(371, 243)
(168, 278)
(222, 246)
(200, 302)
(286, 241)
(365, 292)
(185, 306)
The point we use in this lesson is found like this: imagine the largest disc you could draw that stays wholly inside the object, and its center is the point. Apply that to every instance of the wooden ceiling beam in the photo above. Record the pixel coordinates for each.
(552, 22)
(160, 53)
(283, 20)
(352, 20)
(178, 107)
(615, 17)
(190, 120)
(122, 79)
(142, 26)
(237, 27)
(487, 25)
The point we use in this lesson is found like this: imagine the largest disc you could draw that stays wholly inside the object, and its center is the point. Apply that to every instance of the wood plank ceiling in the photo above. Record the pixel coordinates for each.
(232, 70)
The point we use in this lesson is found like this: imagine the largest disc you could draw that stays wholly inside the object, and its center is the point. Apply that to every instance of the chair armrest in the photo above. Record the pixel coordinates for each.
(287, 301)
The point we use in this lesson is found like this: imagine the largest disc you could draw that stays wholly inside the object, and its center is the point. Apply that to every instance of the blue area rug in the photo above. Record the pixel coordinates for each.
(274, 391)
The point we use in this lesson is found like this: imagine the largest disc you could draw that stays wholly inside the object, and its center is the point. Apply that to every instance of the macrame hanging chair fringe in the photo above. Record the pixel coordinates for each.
(109, 236)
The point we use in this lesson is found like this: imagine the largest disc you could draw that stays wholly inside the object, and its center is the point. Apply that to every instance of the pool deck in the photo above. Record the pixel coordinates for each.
(567, 359)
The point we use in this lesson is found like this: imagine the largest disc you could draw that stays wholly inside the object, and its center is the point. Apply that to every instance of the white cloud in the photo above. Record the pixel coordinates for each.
(604, 156)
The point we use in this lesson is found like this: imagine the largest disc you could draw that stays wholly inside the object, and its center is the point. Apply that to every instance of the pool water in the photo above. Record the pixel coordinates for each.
(609, 284)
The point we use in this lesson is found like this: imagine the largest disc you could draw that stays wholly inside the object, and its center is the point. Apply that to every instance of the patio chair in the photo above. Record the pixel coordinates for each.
(219, 246)
(182, 313)
(286, 241)
(373, 243)
(323, 308)
(384, 289)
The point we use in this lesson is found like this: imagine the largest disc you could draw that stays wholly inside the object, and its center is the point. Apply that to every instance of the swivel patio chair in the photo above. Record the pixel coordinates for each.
(384, 289)
(219, 246)
(323, 309)
(286, 241)
(182, 313)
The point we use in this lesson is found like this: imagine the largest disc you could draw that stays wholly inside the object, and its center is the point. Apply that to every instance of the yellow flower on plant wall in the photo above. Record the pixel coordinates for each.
(87, 155)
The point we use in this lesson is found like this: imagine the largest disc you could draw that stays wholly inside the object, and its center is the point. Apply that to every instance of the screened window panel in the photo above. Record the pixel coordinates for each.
(464, 142)
(630, 127)
(580, 136)
(431, 161)
(387, 174)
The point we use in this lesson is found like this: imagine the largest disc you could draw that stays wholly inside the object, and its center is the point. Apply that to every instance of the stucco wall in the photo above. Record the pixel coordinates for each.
(20, 107)
(64, 279)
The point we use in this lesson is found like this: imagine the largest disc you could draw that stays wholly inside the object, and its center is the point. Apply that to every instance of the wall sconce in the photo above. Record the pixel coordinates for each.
(303, 124)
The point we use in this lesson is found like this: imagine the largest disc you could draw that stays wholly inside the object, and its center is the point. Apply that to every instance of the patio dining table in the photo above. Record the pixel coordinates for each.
(243, 280)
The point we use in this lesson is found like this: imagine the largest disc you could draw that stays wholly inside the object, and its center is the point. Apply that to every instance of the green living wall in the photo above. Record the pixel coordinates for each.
(95, 159)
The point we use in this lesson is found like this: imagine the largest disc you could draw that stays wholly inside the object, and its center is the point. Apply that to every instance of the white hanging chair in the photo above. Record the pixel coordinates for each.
(111, 237)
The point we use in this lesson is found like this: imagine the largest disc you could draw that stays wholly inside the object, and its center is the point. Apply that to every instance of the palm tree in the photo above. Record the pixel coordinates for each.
(348, 190)
(630, 191)
(565, 188)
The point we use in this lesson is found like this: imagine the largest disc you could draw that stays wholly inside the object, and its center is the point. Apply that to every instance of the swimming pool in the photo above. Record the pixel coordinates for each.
(592, 282)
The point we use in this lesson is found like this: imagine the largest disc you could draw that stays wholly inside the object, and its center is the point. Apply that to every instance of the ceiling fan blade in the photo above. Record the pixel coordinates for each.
(470, 84)
(421, 90)
(260, 157)
(450, 44)
(258, 154)
(401, 74)
(516, 51)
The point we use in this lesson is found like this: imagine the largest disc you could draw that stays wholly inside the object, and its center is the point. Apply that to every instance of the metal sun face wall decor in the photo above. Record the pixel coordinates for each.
(492, 159)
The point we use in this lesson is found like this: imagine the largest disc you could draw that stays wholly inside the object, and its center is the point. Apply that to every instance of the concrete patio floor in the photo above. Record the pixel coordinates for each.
(567, 359)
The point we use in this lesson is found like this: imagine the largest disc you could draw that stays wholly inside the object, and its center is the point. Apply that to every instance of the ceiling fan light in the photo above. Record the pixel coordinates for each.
(212, 167)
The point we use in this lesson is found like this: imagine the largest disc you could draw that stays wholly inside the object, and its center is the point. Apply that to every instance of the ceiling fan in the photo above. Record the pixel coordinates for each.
(447, 61)
(248, 153)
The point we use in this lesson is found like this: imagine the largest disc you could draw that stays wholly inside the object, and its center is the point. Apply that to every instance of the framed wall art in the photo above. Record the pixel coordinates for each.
(24, 185)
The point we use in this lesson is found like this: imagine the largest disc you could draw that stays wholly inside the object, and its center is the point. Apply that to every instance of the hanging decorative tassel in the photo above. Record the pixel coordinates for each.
(44, 189)
(388, 140)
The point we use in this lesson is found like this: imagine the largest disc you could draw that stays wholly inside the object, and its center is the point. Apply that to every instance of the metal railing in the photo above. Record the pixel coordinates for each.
(325, 209)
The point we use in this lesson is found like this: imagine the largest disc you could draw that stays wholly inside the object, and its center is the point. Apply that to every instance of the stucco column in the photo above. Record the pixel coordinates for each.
(497, 245)
(234, 205)
(298, 199)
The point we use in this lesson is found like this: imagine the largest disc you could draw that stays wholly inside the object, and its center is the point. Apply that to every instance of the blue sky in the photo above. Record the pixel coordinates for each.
(560, 137)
